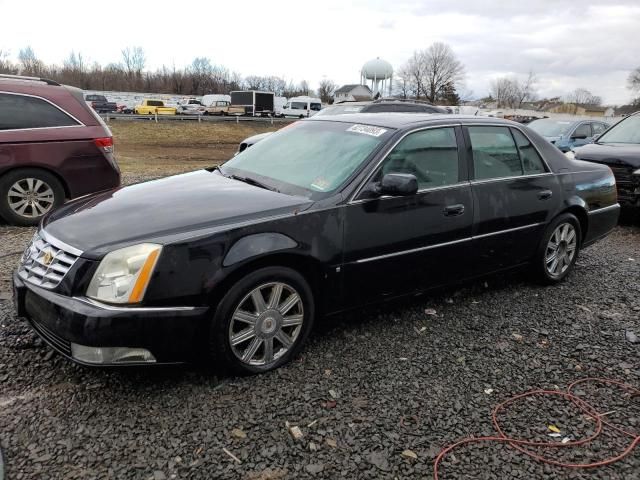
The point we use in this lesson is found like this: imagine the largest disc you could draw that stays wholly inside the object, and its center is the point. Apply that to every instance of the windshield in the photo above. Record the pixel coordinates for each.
(627, 131)
(340, 110)
(308, 158)
(550, 128)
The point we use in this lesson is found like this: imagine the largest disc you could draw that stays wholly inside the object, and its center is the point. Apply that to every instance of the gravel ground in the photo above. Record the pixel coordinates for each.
(368, 386)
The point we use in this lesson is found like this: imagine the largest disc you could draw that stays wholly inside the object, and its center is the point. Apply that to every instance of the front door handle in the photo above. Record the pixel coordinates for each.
(453, 210)
(545, 194)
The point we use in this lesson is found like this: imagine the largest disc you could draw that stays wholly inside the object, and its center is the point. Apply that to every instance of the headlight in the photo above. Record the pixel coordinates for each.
(570, 154)
(123, 275)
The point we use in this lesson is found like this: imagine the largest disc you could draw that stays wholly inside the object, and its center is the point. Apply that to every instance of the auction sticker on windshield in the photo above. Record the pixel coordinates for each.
(367, 130)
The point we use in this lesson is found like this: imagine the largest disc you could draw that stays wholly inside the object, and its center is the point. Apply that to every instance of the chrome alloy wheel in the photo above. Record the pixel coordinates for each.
(266, 324)
(561, 249)
(30, 197)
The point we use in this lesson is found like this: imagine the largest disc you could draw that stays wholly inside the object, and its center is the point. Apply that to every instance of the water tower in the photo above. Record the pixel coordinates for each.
(378, 74)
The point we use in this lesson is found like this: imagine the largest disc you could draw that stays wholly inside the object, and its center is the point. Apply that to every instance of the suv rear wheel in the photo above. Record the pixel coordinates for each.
(27, 195)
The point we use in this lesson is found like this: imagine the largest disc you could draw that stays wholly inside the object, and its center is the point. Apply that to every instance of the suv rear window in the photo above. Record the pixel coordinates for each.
(21, 111)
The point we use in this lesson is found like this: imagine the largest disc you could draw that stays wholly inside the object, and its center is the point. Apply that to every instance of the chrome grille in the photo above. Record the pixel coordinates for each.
(45, 264)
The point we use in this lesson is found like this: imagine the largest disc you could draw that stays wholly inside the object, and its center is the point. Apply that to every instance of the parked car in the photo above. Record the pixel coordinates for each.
(100, 103)
(223, 107)
(345, 108)
(301, 107)
(191, 106)
(153, 107)
(238, 262)
(53, 146)
(619, 149)
(567, 134)
(125, 109)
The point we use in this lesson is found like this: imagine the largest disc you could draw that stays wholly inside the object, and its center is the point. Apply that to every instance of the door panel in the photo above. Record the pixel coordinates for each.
(395, 245)
(510, 210)
(403, 244)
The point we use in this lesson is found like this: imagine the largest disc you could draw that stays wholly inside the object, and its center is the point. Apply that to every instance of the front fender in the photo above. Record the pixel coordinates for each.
(257, 244)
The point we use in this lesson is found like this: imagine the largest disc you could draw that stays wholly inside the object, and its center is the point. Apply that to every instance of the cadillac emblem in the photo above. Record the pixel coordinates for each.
(47, 258)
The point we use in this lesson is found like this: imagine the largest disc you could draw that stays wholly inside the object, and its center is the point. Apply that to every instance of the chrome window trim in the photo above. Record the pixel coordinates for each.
(424, 190)
(388, 150)
(80, 124)
(515, 177)
(129, 308)
(59, 244)
(615, 206)
(444, 244)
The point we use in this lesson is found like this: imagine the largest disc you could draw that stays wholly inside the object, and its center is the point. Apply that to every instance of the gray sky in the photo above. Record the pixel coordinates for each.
(568, 43)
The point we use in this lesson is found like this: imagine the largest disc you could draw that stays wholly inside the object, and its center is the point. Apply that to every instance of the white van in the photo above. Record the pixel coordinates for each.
(301, 107)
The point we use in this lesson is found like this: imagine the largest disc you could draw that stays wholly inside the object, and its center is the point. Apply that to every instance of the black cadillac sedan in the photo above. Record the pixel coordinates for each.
(238, 262)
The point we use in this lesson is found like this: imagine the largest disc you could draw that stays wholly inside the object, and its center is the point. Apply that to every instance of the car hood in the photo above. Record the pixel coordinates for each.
(164, 210)
(622, 154)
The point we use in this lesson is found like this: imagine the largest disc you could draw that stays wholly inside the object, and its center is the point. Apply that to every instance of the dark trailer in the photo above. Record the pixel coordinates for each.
(254, 102)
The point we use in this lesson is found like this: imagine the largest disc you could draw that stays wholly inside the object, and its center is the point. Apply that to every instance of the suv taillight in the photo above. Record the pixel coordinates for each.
(105, 144)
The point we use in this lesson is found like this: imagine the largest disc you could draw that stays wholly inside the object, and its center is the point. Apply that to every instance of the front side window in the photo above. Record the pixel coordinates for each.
(308, 158)
(582, 131)
(20, 111)
(494, 153)
(430, 155)
(155, 103)
(316, 107)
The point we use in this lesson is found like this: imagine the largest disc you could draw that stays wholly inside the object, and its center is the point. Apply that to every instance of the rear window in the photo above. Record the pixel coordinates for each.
(20, 111)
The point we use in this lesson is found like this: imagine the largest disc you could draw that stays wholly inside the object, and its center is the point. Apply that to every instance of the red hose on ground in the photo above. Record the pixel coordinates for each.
(520, 444)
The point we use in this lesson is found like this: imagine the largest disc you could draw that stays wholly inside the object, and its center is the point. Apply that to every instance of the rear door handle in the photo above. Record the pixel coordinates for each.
(545, 194)
(453, 210)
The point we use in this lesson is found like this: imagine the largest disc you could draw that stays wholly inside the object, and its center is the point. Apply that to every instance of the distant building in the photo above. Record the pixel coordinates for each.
(584, 110)
(353, 93)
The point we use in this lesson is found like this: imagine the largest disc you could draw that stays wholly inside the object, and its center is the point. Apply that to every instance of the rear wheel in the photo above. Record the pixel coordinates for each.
(558, 250)
(27, 195)
(262, 321)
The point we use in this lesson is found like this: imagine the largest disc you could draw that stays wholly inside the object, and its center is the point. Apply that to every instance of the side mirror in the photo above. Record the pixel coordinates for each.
(398, 184)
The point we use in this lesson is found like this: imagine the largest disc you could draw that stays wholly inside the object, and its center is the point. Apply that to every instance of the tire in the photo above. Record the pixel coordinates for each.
(266, 327)
(565, 233)
(47, 185)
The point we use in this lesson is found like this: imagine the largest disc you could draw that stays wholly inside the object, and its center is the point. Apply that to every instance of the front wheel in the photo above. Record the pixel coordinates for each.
(558, 250)
(263, 321)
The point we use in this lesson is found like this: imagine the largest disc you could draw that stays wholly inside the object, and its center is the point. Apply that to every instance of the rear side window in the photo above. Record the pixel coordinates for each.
(598, 128)
(531, 161)
(494, 153)
(583, 130)
(20, 111)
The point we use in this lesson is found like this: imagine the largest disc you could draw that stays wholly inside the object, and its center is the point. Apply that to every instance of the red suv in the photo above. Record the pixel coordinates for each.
(53, 147)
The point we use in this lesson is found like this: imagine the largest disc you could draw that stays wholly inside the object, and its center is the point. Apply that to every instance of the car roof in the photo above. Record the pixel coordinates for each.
(400, 119)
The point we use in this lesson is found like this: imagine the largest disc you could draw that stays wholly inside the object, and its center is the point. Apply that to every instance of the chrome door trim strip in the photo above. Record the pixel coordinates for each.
(514, 177)
(508, 230)
(413, 250)
(464, 183)
(615, 206)
(444, 244)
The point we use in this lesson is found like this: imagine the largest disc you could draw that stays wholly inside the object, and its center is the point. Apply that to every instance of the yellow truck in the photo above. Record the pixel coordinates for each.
(152, 107)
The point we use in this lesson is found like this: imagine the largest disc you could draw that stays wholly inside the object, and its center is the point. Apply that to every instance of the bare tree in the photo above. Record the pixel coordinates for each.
(510, 92)
(326, 90)
(412, 74)
(582, 96)
(30, 64)
(441, 68)
(6, 65)
(134, 61)
(633, 81)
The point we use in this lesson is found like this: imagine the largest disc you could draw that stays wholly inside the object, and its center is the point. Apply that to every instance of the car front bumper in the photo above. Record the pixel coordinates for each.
(171, 334)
